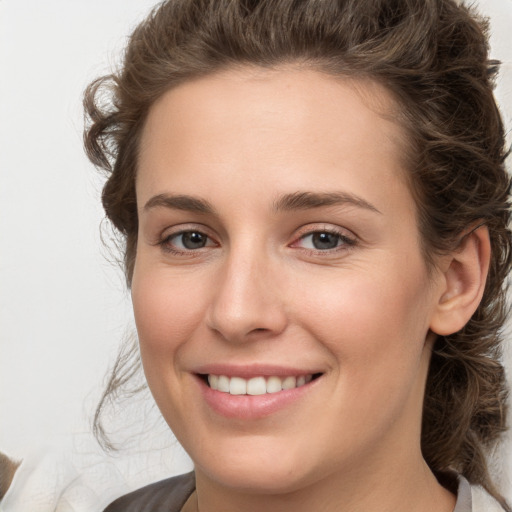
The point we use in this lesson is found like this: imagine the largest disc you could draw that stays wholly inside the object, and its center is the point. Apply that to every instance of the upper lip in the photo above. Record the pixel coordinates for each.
(253, 370)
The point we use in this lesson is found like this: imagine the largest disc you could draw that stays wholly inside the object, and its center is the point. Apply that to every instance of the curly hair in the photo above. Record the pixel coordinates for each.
(432, 56)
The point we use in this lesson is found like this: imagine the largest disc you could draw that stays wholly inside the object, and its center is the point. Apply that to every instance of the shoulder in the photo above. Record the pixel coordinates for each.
(165, 496)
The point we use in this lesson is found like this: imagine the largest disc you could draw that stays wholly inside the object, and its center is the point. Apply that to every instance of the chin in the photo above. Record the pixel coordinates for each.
(276, 473)
(259, 480)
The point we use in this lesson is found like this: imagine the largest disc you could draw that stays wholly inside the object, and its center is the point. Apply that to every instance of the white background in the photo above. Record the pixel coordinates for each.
(63, 306)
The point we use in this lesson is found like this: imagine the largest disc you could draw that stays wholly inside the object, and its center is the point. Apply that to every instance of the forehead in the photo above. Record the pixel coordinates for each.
(300, 91)
(287, 123)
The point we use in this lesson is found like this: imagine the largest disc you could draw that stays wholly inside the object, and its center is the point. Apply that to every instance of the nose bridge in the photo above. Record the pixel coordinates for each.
(247, 299)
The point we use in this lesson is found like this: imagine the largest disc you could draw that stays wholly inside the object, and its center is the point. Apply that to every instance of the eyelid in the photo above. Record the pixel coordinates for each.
(183, 228)
(321, 227)
(175, 231)
(348, 238)
(345, 234)
(181, 233)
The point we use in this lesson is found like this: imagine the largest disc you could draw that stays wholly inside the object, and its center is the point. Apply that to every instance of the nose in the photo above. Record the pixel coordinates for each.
(248, 300)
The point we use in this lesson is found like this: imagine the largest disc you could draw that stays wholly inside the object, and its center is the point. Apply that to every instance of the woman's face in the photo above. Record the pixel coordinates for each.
(278, 248)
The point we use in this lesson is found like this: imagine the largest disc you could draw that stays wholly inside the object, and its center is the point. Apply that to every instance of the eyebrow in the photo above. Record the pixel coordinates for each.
(288, 202)
(180, 202)
(310, 200)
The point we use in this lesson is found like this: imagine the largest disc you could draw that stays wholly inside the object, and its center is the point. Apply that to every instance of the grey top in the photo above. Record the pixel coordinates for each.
(165, 496)
(170, 495)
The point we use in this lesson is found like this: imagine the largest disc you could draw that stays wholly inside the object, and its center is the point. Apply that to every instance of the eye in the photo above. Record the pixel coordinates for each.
(324, 241)
(187, 241)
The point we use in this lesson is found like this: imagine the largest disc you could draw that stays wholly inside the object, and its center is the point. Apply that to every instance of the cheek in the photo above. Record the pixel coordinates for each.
(167, 311)
(371, 320)
(375, 332)
(167, 314)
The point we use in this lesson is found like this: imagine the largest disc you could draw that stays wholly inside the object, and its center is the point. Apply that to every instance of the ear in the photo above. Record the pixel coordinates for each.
(462, 281)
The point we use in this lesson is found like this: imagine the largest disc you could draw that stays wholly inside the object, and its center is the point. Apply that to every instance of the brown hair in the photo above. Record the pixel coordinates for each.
(432, 55)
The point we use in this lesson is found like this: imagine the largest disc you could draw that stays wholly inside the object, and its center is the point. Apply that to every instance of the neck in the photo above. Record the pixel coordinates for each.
(393, 489)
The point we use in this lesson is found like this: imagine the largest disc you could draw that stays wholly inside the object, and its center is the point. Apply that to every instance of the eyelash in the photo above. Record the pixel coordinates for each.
(344, 242)
(166, 245)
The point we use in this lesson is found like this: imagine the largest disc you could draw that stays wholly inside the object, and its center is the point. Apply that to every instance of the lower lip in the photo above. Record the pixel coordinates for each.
(249, 407)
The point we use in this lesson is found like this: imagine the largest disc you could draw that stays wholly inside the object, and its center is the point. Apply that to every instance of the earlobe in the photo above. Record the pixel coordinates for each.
(463, 282)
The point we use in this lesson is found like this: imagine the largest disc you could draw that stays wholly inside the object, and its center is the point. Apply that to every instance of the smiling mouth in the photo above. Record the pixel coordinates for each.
(256, 385)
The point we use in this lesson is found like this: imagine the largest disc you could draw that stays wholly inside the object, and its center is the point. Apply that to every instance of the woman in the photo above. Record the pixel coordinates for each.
(315, 207)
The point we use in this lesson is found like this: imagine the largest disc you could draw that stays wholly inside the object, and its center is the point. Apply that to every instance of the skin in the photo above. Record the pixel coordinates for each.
(361, 313)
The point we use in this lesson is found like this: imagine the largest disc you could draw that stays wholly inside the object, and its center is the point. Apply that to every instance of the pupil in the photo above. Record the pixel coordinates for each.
(193, 240)
(325, 241)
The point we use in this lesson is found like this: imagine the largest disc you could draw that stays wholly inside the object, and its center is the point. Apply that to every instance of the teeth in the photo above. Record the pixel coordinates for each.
(274, 385)
(289, 382)
(256, 385)
(213, 380)
(223, 384)
(237, 386)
